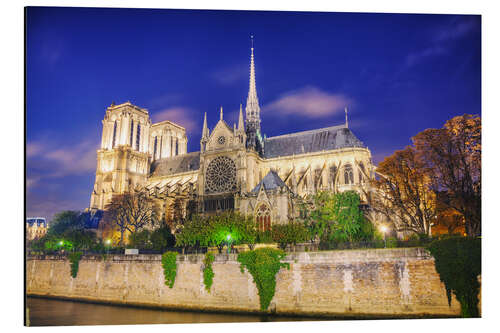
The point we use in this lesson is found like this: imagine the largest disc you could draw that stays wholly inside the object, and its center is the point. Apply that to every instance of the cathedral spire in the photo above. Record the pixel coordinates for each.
(240, 119)
(221, 112)
(252, 108)
(346, 123)
(205, 133)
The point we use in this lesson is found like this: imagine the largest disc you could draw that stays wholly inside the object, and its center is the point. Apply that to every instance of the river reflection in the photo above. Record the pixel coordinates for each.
(50, 312)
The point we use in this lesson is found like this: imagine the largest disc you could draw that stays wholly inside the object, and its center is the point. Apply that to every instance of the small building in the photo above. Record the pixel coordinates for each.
(36, 227)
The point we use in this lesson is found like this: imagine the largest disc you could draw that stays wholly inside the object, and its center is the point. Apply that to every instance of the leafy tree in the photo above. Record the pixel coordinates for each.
(66, 221)
(68, 228)
(214, 230)
(81, 239)
(337, 217)
(162, 238)
(131, 212)
(348, 217)
(140, 239)
(290, 233)
(452, 158)
(264, 237)
(322, 214)
(195, 232)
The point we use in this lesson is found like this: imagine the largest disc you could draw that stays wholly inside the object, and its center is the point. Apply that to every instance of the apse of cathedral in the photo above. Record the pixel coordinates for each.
(237, 168)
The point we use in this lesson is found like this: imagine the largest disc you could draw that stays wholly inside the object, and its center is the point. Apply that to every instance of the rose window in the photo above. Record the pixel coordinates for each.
(221, 140)
(221, 175)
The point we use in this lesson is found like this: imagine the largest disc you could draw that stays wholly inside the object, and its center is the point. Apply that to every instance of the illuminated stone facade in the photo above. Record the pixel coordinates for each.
(236, 168)
(36, 227)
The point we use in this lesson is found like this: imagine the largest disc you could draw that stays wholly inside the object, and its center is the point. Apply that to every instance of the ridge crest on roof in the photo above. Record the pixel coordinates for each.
(336, 127)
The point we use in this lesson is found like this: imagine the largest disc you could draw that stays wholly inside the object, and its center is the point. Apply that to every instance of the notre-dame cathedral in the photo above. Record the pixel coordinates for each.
(236, 167)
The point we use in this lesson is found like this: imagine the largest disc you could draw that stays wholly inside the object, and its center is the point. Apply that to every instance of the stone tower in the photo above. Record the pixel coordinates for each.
(123, 159)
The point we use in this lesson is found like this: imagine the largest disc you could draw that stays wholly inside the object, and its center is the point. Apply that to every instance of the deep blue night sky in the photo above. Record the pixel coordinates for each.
(398, 75)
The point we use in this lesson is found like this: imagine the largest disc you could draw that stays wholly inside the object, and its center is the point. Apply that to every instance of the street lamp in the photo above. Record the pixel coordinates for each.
(228, 243)
(384, 230)
(108, 242)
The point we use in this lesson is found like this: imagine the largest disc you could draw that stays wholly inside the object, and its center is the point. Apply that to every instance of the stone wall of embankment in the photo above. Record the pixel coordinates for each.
(353, 283)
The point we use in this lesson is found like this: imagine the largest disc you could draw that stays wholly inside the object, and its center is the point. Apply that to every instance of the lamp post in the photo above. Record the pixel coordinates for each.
(228, 243)
(384, 230)
(108, 241)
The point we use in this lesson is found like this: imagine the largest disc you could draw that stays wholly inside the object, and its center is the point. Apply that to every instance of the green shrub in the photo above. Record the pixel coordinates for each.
(74, 259)
(458, 262)
(264, 237)
(140, 240)
(290, 233)
(263, 264)
(214, 230)
(208, 272)
(162, 238)
(169, 263)
(392, 242)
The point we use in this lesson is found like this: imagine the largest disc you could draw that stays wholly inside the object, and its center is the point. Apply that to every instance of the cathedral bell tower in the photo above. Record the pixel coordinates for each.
(123, 158)
(252, 109)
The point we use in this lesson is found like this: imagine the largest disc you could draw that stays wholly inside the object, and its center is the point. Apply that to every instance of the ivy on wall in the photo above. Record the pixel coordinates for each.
(74, 259)
(263, 264)
(169, 263)
(458, 262)
(208, 272)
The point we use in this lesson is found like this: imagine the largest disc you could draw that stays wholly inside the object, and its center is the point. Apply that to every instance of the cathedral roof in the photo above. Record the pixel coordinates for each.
(328, 138)
(176, 164)
(270, 182)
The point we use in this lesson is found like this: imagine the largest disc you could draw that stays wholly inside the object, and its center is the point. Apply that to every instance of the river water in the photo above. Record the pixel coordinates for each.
(50, 312)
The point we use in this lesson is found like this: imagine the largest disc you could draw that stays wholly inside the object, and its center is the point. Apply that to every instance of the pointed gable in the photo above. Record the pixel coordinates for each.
(270, 182)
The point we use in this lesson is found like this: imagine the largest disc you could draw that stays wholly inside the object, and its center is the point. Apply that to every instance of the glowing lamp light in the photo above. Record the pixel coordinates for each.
(228, 237)
(384, 229)
(61, 243)
(108, 241)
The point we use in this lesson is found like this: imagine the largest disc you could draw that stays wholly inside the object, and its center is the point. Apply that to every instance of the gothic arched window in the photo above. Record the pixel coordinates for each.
(263, 217)
(114, 134)
(348, 175)
(138, 137)
(131, 132)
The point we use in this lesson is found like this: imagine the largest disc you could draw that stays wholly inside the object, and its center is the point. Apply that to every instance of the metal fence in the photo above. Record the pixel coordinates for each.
(388, 243)
(111, 251)
(310, 246)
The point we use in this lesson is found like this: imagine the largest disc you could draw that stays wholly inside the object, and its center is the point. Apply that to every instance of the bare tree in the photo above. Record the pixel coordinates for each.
(402, 193)
(131, 212)
(452, 157)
